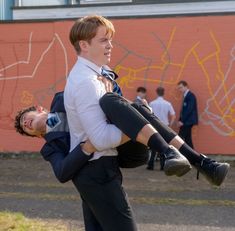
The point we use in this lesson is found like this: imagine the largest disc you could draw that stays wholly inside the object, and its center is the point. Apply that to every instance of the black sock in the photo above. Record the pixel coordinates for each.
(157, 143)
(192, 156)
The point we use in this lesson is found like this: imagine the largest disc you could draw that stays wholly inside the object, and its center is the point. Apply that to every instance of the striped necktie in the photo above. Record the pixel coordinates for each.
(111, 75)
(52, 121)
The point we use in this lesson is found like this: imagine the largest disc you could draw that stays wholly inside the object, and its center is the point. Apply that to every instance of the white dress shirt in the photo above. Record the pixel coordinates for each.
(162, 109)
(85, 116)
(185, 93)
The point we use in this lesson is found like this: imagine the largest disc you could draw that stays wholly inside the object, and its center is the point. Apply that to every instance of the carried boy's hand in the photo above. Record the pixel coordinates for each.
(87, 147)
(107, 83)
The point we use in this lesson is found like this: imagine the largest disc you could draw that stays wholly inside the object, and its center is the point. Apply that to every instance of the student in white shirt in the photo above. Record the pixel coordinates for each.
(100, 181)
(164, 110)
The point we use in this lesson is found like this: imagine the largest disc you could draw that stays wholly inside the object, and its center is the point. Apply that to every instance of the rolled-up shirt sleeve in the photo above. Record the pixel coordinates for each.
(93, 120)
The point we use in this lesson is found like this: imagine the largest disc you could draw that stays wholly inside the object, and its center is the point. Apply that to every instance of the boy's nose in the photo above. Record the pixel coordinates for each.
(26, 123)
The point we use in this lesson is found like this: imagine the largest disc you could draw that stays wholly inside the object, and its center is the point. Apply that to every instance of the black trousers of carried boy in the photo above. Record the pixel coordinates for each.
(130, 118)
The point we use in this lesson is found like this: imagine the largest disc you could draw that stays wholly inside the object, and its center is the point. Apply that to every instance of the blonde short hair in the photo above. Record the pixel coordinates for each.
(86, 28)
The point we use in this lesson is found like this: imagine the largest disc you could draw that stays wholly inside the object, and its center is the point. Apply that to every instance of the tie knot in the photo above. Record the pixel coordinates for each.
(52, 121)
(108, 74)
(111, 75)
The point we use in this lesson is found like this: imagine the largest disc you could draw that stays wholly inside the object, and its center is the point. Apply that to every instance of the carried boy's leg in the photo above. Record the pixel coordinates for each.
(150, 165)
(214, 172)
(120, 112)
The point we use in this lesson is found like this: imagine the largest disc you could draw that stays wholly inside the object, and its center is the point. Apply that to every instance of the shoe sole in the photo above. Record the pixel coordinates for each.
(222, 173)
(178, 168)
(184, 170)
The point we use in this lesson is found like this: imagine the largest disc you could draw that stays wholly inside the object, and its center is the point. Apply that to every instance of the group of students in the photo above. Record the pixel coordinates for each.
(92, 130)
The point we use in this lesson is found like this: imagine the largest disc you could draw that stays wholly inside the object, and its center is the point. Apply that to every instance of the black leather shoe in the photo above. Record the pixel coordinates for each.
(214, 172)
(175, 162)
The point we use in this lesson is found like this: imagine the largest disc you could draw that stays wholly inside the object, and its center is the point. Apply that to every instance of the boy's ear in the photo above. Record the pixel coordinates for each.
(83, 45)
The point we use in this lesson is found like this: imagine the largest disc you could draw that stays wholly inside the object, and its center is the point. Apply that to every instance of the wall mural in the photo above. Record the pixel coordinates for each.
(35, 59)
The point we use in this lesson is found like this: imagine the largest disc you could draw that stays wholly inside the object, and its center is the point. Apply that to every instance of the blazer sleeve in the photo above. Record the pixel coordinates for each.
(65, 165)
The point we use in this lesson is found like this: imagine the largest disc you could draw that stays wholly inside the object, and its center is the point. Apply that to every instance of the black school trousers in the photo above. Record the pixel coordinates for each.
(100, 185)
(131, 117)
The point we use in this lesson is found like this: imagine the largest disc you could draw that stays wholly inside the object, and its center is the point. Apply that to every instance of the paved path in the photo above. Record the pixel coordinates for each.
(28, 185)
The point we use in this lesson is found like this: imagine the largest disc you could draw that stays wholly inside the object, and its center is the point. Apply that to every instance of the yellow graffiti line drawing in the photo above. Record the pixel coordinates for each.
(225, 112)
(207, 76)
(221, 74)
(133, 73)
(168, 46)
(184, 64)
(163, 57)
(136, 74)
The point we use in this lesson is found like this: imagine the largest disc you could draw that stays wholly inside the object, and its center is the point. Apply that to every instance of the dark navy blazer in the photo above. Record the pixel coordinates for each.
(56, 148)
(189, 113)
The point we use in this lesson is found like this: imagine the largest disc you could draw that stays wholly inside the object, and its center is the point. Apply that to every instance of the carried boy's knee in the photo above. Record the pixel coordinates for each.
(106, 99)
(109, 100)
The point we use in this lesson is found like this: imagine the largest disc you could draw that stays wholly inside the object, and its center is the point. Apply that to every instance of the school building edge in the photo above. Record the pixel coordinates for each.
(35, 58)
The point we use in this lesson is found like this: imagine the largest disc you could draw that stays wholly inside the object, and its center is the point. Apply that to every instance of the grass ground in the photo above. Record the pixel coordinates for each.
(10, 221)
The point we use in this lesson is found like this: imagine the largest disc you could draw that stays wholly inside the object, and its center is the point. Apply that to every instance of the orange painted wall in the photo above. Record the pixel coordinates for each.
(35, 59)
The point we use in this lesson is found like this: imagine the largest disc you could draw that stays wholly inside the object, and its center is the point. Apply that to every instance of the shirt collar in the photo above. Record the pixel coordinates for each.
(186, 92)
(89, 64)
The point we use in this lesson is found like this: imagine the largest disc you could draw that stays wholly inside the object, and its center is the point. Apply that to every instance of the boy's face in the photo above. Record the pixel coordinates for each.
(182, 88)
(34, 122)
(99, 49)
(142, 95)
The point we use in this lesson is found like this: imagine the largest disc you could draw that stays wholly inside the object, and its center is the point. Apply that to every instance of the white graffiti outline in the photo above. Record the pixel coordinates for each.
(27, 61)
(215, 117)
